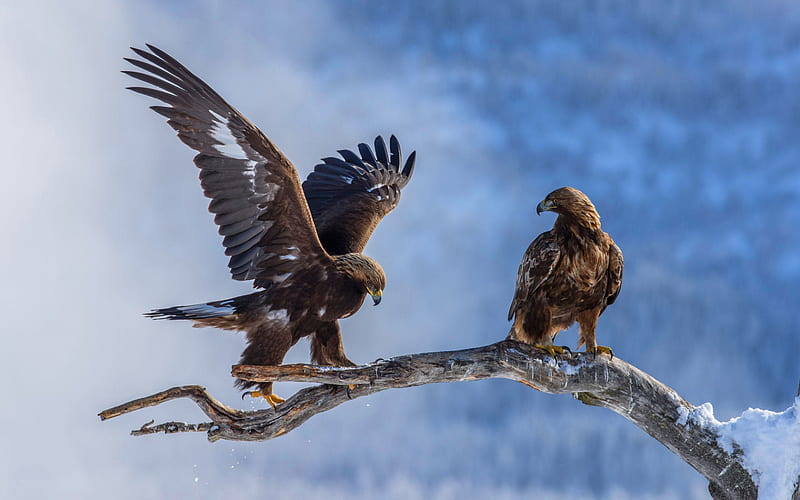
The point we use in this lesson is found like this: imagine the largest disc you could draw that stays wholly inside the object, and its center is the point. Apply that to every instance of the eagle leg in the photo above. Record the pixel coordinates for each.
(272, 399)
(600, 348)
(552, 350)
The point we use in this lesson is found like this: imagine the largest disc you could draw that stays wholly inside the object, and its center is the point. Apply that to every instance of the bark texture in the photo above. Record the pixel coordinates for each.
(595, 381)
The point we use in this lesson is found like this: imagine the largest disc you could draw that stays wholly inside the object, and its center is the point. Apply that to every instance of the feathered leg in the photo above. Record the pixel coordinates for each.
(266, 347)
(588, 323)
(326, 346)
(532, 326)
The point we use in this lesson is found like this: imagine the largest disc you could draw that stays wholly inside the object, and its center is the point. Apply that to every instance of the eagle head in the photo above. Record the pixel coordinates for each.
(365, 271)
(571, 203)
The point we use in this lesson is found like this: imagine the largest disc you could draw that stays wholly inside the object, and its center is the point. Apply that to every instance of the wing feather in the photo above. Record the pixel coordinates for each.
(254, 189)
(237, 239)
(349, 196)
(224, 220)
(366, 154)
(380, 151)
(616, 265)
(537, 266)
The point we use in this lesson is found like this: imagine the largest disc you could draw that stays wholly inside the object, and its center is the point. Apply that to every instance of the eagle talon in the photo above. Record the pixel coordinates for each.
(272, 399)
(569, 274)
(552, 350)
(275, 317)
(600, 348)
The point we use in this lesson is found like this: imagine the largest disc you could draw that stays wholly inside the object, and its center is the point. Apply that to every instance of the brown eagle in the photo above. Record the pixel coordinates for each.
(570, 273)
(301, 245)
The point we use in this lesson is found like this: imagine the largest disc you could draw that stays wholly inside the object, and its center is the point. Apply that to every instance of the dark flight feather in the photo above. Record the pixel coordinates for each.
(265, 218)
(249, 181)
(348, 197)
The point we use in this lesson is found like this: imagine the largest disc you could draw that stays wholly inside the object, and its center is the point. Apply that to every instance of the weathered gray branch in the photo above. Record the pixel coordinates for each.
(600, 381)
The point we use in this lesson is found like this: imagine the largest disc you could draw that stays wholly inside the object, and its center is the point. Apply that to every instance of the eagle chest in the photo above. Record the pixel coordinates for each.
(580, 277)
(346, 299)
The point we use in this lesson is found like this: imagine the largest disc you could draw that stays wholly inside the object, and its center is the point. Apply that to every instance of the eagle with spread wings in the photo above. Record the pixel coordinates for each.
(300, 244)
(570, 273)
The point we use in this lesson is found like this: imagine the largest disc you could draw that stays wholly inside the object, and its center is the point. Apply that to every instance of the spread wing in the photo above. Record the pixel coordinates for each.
(254, 189)
(348, 197)
(615, 267)
(538, 264)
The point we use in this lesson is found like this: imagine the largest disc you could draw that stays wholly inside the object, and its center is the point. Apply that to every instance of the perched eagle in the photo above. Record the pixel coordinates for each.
(570, 273)
(301, 245)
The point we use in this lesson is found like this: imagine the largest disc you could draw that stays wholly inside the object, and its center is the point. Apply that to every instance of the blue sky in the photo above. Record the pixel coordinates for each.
(679, 122)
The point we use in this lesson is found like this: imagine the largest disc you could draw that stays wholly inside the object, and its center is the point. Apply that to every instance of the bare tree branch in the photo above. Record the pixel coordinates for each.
(600, 381)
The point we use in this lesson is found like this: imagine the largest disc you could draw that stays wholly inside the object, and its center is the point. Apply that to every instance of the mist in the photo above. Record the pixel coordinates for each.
(679, 122)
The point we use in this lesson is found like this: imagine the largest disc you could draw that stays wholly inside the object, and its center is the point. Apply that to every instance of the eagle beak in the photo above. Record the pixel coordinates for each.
(544, 206)
(376, 296)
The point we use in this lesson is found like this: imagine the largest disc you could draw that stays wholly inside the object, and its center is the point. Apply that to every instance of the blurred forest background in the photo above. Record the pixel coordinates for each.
(679, 119)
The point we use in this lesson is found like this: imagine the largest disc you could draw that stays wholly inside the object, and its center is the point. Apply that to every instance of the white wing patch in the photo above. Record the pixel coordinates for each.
(291, 255)
(279, 315)
(272, 190)
(222, 134)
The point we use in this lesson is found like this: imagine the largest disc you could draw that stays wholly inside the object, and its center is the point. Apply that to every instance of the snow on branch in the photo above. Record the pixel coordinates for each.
(711, 448)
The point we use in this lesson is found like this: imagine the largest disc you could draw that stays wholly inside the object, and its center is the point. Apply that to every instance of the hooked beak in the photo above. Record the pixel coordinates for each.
(544, 206)
(376, 296)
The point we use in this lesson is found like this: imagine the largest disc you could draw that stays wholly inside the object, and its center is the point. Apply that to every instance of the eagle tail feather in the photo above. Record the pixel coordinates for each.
(192, 312)
(199, 313)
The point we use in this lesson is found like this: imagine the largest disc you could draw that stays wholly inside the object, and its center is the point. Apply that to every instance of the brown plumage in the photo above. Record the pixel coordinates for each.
(301, 244)
(570, 273)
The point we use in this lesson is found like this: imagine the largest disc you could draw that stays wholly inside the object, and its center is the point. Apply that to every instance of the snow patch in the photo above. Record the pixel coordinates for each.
(770, 443)
(570, 369)
(704, 415)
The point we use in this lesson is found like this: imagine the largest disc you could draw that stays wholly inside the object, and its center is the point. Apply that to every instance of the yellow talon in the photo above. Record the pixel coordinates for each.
(272, 399)
(601, 348)
(551, 349)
